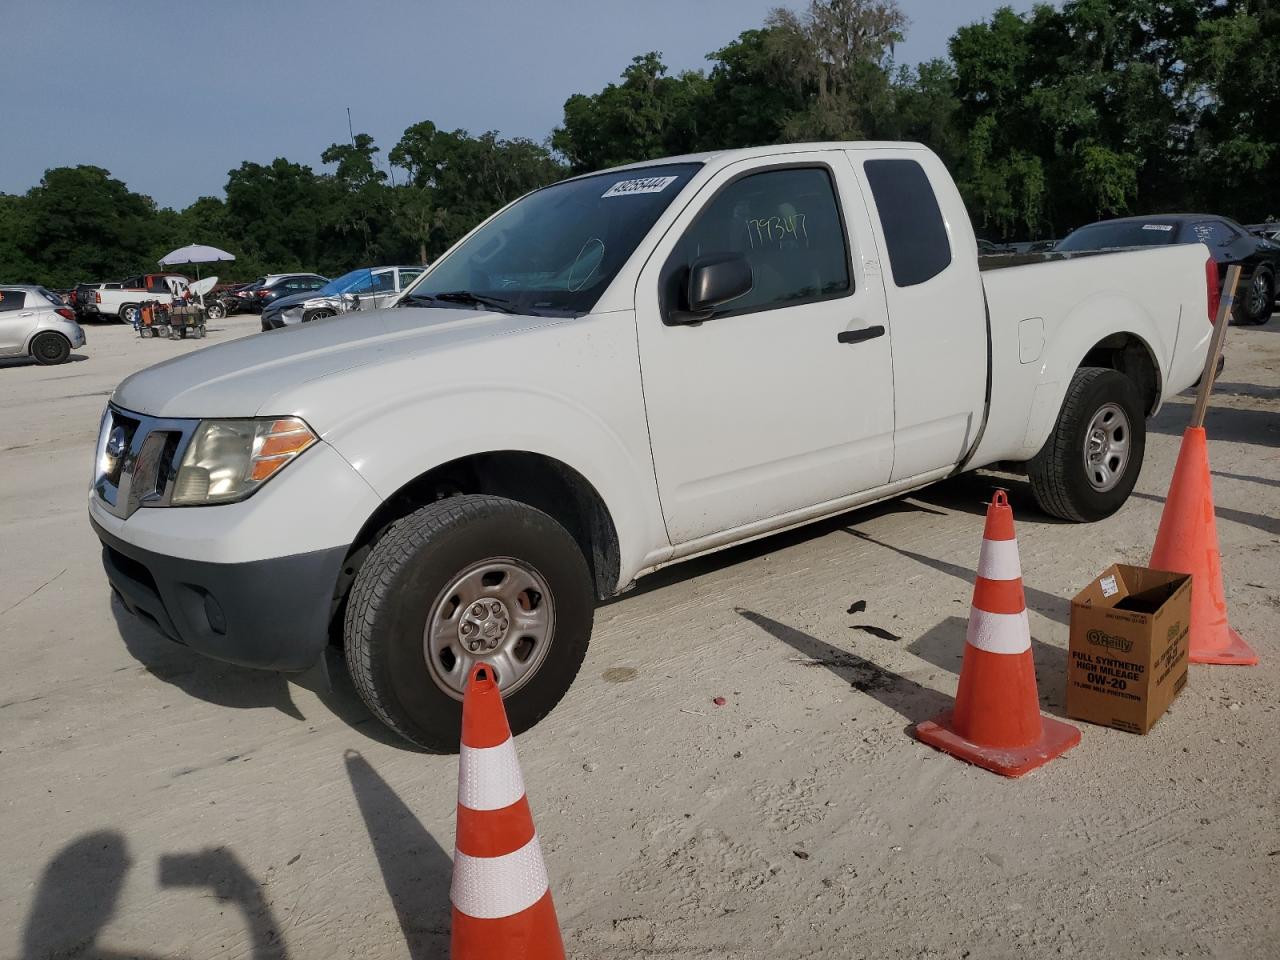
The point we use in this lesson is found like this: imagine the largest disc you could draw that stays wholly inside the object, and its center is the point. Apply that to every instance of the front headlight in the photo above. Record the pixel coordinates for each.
(227, 460)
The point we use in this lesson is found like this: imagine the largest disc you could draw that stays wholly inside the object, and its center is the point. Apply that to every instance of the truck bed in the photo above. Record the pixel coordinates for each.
(1041, 330)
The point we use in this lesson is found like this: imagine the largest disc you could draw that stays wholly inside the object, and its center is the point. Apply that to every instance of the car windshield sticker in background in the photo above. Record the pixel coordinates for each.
(776, 230)
(1166, 227)
(644, 185)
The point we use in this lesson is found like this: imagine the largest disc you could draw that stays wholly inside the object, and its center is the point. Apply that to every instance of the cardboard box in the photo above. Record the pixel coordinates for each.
(1127, 656)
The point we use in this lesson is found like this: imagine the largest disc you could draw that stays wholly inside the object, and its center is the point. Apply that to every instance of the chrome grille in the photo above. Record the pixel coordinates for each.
(137, 459)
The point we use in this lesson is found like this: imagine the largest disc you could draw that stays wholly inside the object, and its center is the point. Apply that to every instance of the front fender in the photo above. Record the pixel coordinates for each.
(394, 443)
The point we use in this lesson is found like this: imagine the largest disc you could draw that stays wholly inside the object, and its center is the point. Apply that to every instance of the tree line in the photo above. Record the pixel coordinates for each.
(1049, 119)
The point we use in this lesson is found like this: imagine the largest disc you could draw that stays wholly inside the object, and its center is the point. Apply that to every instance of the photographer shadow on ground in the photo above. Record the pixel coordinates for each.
(228, 685)
(80, 888)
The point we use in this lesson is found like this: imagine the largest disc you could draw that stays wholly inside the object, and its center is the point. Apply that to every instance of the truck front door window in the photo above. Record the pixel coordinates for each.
(786, 224)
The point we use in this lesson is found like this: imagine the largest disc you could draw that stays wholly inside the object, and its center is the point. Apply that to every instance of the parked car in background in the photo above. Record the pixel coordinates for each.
(84, 299)
(124, 301)
(35, 322)
(272, 288)
(770, 336)
(228, 295)
(242, 298)
(364, 289)
(1228, 242)
(1268, 231)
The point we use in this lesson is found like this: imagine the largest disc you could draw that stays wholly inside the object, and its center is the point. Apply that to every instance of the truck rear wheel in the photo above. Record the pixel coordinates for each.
(129, 313)
(1087, 468)
(465, 580)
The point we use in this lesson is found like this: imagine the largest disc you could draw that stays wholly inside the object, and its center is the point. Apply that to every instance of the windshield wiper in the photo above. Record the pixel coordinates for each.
(464, 296)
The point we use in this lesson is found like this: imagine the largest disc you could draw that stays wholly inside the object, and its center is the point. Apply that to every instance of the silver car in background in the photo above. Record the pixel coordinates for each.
(365, 289)
(35, 323)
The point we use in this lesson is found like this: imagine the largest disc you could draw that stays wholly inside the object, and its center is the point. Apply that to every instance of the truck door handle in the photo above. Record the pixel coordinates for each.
(857, 336)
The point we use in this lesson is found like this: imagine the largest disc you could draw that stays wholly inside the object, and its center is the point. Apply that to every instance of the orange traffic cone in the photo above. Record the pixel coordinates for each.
(1187, 542)
(996, 722)
(502, 907)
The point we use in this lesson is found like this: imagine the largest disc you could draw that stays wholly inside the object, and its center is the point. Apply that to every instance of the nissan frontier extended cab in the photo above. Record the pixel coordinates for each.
(609, 375)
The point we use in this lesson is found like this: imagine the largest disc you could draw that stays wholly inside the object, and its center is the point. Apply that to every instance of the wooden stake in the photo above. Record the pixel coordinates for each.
(1215, 346)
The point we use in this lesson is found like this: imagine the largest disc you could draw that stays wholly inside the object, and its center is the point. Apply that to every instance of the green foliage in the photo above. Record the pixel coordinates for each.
(1049, 119)
(648, 115)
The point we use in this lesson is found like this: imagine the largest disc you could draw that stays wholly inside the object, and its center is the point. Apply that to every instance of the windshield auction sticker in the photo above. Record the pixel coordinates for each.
(644, 185)
(1164, 227)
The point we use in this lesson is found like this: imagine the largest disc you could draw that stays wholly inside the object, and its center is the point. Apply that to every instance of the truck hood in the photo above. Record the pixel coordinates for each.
(252, 376)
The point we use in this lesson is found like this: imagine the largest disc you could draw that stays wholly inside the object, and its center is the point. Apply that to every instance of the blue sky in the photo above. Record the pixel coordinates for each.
(170, 96)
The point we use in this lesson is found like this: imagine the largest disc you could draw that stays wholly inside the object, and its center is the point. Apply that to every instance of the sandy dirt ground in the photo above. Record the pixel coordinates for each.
(159, 805)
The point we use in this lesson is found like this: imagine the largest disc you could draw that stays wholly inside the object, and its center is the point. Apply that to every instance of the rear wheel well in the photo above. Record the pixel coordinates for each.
(1131, 356)
(538, 481)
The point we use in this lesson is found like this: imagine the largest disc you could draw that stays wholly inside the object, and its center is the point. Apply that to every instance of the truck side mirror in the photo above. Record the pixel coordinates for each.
(713, 282)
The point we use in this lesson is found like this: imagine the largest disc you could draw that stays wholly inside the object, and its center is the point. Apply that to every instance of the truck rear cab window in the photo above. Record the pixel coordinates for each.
(914, 230)
(786, 223)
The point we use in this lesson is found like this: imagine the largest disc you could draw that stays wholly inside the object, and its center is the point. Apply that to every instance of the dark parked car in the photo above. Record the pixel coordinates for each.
(285, 285)
(84, 301)
(252, 297)
(1268, 231)
(1228, 243)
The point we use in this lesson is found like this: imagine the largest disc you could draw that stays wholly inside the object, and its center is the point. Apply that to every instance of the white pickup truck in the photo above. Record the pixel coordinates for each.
(124, 300)
(609, 375)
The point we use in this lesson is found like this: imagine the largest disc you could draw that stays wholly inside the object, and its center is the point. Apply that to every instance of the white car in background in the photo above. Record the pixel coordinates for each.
(365, 289)
(125, 299)
(34, 322)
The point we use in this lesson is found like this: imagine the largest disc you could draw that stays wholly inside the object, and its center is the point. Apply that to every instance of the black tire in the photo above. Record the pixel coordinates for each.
(129, 313)
(214, 310)
(400, 581)
(49, 348)
(1058, 474)
(318, 315)
(1256, 300)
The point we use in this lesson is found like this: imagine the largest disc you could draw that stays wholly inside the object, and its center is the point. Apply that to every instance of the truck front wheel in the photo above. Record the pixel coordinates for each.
(468, 579)
(1087, 468)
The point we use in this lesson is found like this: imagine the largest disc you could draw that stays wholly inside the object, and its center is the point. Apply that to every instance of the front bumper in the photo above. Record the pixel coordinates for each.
(273, 614)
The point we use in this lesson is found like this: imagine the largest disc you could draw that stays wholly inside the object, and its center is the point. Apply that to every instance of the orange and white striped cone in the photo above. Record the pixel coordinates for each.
(996, 722)
(502, 907)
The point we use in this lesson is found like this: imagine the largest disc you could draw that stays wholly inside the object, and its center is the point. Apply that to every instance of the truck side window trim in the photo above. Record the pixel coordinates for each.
(675, 263)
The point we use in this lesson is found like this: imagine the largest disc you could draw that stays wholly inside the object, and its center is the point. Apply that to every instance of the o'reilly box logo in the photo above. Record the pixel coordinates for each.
(1100, 639)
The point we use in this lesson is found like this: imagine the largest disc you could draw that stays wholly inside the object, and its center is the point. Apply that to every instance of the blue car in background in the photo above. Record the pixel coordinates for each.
(364, 289)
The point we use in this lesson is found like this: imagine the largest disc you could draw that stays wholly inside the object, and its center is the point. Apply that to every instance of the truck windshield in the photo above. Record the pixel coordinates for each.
(557, 249)
(1120, 233)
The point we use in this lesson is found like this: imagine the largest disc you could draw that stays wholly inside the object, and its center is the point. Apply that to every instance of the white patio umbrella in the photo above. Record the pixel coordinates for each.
(194, 254)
